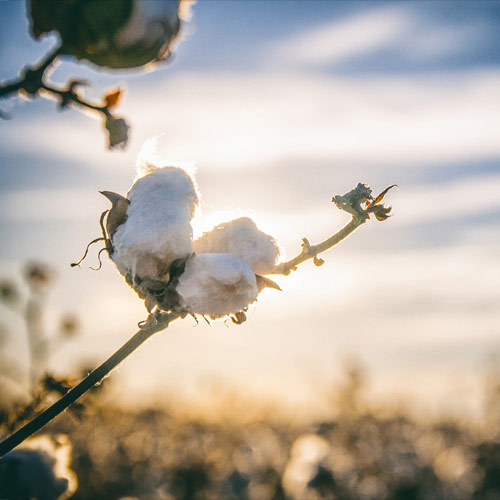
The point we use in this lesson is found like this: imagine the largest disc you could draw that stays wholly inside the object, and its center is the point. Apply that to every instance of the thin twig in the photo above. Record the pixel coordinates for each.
(155, 323)
(360, 204)
(311, 251)
(32, 82)
(68, 96)
(31, 78)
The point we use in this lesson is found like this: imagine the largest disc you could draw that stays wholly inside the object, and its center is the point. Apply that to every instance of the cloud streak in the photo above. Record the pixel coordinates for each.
(402, 32)
(337, 41)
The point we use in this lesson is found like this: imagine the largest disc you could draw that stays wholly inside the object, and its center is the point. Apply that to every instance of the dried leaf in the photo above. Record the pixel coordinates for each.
(112, 98)
(380, 197)
(380, 212)
(118, 132)
(239, 318)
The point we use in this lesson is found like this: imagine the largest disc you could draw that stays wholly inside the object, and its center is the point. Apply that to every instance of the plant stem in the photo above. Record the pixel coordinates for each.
(154, 325)
(31, 80)
(358, 202)
(310, 252)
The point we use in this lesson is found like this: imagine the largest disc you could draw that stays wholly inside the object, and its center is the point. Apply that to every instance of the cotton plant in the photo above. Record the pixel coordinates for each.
(149, 237)
(112, 35)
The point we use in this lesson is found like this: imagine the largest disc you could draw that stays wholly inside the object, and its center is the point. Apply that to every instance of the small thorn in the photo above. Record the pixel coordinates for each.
(306, 246)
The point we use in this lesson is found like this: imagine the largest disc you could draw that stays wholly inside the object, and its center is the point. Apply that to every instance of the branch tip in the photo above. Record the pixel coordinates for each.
(359, 203)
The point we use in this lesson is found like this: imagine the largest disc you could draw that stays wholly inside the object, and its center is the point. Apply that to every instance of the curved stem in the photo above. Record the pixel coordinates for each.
(32, 82)
(155, 324)
(31, 78)
(311, 251)
(68, 96)
(358, 202)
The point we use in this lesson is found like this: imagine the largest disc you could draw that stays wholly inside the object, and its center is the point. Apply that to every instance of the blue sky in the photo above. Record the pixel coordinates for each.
(279, 105)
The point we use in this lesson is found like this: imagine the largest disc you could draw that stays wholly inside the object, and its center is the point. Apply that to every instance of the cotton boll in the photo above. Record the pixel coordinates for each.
(39, 468)
(150, 20)
(242, 239)
(157, 230)
(112, 33)
(216, 284)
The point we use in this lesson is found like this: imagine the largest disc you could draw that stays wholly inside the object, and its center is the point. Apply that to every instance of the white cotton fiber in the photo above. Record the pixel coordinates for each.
(216, 284)
(242, 239)
(157, 230)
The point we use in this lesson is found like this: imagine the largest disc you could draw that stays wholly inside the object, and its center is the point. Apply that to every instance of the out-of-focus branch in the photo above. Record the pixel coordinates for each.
(155, 323)
(360, 204)
(31, 79)
(32, 83)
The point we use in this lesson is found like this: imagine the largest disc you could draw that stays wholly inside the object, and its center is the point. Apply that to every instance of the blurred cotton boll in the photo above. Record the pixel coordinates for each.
(242, 239)
(38, 469)
(216, 284)
(113, 34)
(307, 453)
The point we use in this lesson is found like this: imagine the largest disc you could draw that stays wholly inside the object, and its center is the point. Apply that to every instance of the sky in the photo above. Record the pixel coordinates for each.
(277, 106)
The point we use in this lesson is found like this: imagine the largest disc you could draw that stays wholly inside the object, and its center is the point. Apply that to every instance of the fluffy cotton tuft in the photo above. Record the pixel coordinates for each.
(216, 284)
(242, 239)
(157, 230)
(152, 246)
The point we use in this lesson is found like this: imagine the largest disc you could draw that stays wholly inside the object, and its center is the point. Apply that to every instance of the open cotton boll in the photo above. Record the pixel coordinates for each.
(241, 238)
(150, 20)
(39, 468)
(112, 33)
(157, 230)
(216, 284)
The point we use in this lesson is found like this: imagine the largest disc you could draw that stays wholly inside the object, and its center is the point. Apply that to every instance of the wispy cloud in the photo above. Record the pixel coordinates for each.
(402, 31)
(234, 121)
(49, 204)
(337, 41)
(460, 198)
(241, 122)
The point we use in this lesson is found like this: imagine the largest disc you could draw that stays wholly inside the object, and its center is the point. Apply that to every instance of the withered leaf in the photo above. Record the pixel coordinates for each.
(380, 212)
(239, 318)
(112, 98)
(380, 197)
(118, 132)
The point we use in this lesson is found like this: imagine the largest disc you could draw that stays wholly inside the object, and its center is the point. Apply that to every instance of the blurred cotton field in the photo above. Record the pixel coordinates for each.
(40, 469)
(275, 107)
(240, 451)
